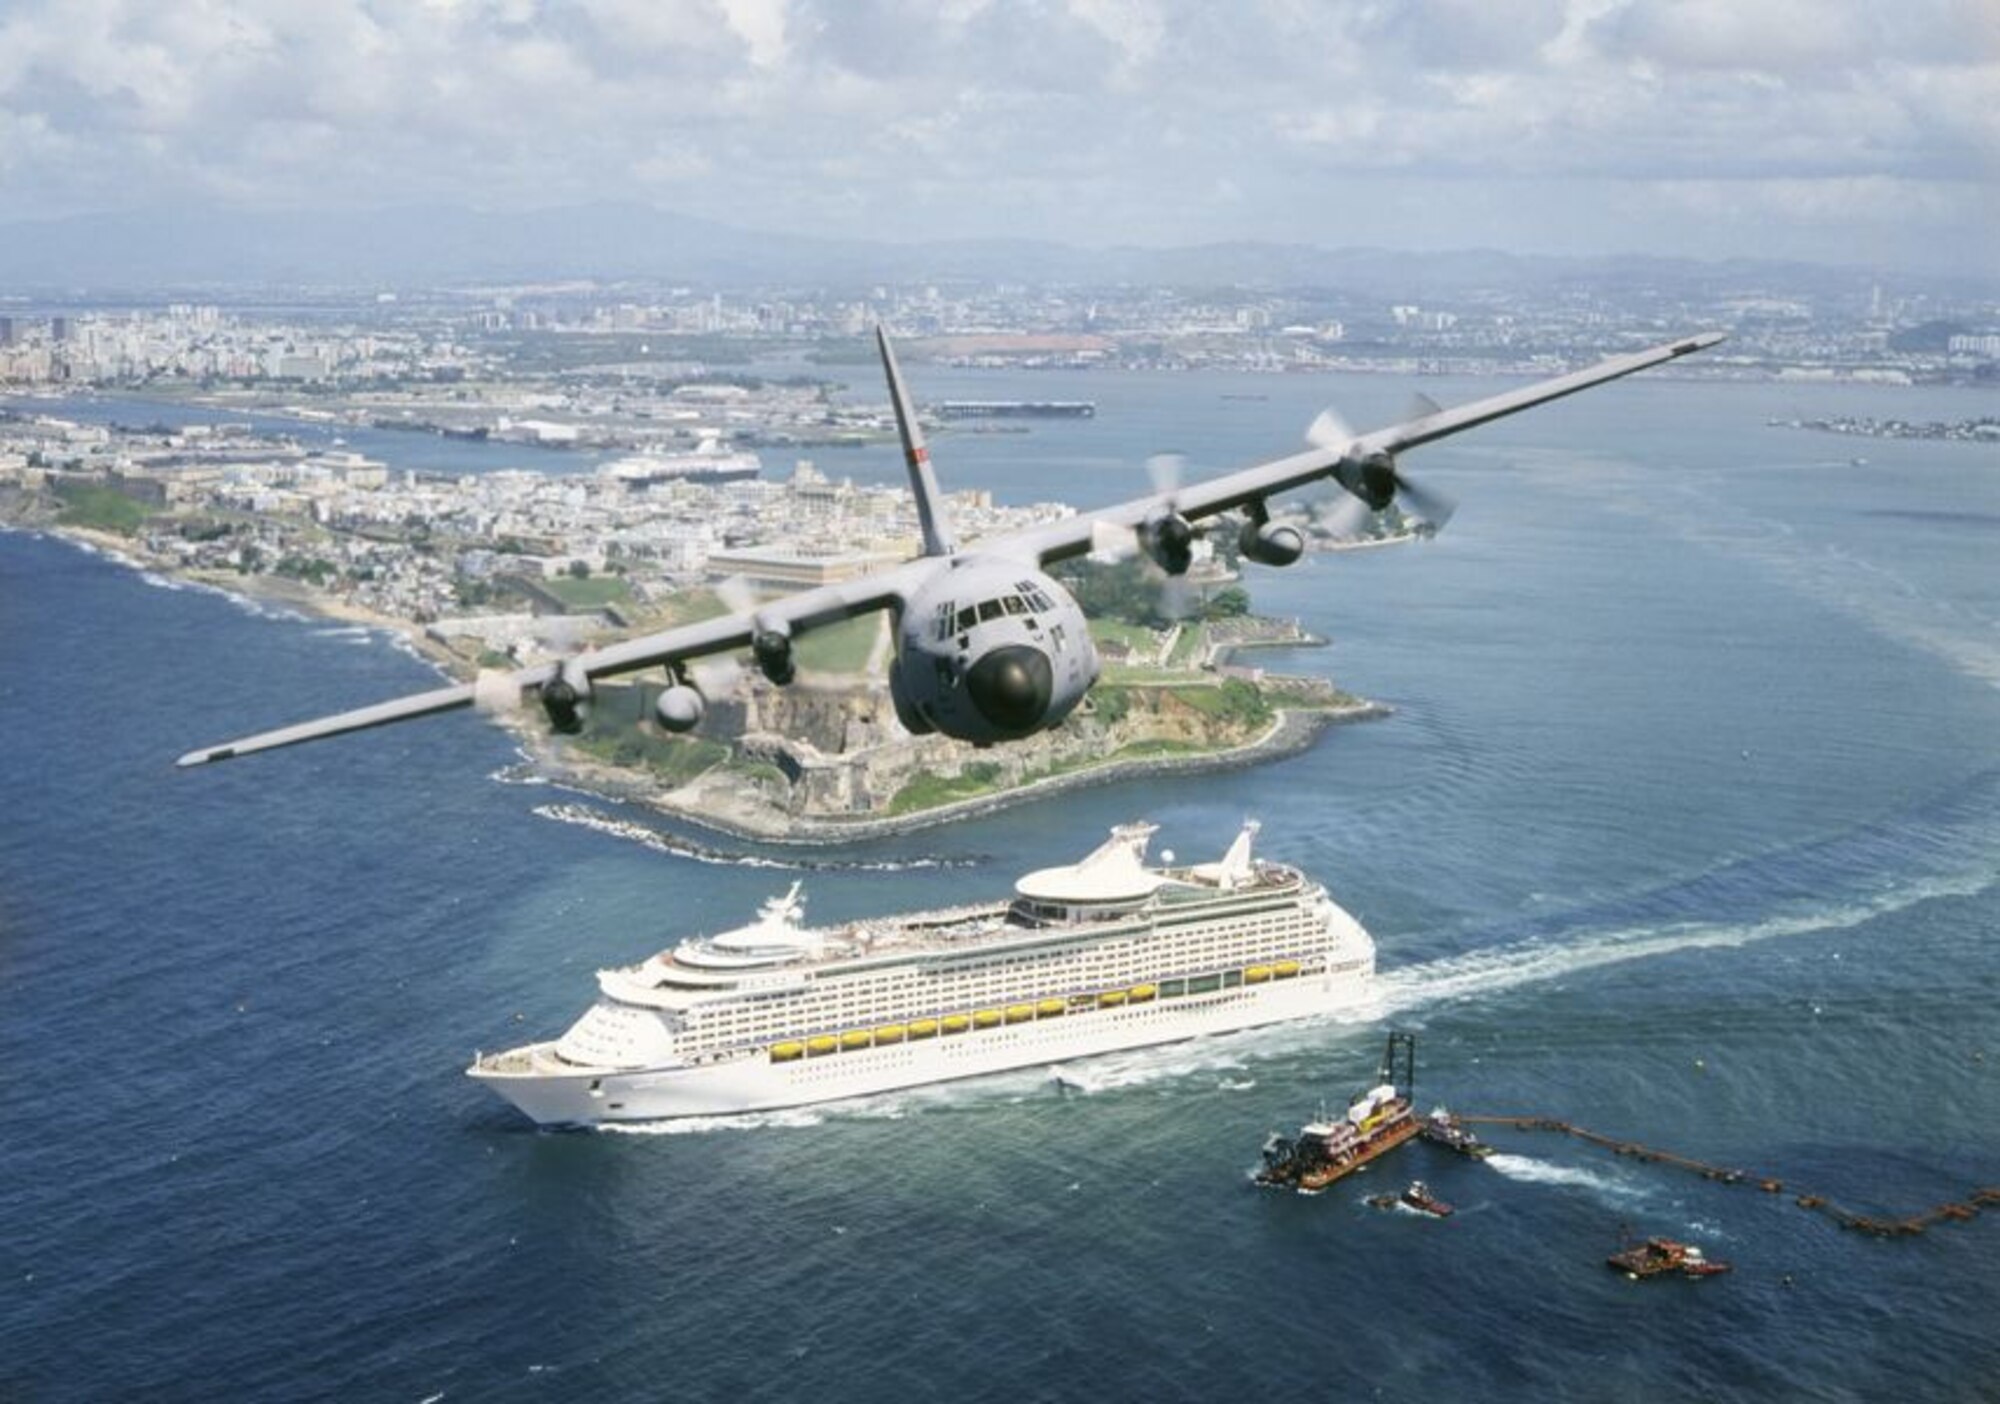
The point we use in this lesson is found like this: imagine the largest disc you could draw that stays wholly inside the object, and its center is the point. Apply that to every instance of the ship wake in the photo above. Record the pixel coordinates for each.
(1946, 850)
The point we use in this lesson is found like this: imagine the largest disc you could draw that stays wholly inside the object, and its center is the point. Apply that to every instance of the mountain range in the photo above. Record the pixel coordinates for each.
(445, 246)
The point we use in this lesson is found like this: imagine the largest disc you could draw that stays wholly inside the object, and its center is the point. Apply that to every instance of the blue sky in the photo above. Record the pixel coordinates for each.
(1846, 131)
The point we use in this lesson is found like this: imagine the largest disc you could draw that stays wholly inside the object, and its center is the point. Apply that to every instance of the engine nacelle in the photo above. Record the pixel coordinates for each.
(771, 646)
(1270, 545)
(1169, 539)
(566, 698)
(1372, 479)
(679, 708)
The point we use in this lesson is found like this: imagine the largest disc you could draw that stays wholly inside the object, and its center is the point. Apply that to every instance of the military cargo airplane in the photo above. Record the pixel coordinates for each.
(988, 647)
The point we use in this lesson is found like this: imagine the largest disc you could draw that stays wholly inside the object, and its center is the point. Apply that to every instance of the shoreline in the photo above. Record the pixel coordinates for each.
(1292, 731)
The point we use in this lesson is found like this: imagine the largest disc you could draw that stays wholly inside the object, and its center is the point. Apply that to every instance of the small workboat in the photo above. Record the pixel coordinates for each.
(1657, 1256)
(1417, 1196)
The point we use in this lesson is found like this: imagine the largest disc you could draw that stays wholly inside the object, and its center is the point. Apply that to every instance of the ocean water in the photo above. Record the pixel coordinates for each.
(1686, 829)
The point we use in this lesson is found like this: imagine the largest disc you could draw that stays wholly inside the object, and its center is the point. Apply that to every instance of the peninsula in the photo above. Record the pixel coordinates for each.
(494, 569)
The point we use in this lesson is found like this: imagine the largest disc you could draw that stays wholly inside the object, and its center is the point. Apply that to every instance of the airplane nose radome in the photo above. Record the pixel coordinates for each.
(1011, 687)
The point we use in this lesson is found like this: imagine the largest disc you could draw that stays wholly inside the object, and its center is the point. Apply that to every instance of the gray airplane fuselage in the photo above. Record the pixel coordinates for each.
(990, 649)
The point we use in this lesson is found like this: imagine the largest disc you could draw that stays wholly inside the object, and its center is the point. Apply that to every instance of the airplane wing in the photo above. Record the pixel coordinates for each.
(791, 614)
(1074, 536)
(1360, 460)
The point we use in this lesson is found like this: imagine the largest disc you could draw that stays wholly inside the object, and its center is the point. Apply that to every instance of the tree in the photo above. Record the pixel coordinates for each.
(1230, 602)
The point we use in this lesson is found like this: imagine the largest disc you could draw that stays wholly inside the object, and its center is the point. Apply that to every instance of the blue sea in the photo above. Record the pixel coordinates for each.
(1686, 829)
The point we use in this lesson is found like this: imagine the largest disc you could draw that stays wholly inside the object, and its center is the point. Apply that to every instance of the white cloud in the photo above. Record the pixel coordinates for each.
(1631, 123)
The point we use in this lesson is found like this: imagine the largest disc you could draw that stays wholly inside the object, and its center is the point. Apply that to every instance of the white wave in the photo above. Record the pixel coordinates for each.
(406, 646)
(1528, 1170)
(1141, 1067)
(1487, 972)
(788, 1119)
(584, 816)
(244, 604)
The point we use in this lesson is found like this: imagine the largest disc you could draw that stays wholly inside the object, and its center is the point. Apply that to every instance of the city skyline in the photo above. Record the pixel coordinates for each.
(1832, 133)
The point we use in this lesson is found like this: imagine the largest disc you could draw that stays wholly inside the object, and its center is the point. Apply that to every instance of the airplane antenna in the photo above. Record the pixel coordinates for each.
(923, 483)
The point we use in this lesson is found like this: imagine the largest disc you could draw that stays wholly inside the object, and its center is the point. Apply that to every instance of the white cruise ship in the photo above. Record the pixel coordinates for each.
(1101, 955)
(709, 462)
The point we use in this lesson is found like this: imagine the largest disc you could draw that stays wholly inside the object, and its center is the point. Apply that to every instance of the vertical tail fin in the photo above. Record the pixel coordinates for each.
(930, 506)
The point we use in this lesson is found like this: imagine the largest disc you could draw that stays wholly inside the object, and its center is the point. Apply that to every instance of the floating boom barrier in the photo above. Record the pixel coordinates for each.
(1986, 1196)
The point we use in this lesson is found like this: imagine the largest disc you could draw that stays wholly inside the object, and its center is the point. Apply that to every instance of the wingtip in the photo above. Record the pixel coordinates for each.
(1700, 342)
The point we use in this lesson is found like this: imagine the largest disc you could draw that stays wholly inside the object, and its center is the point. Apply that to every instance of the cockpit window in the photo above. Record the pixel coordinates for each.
(1034, 597)
(1013, 604)
(943, 626)
(967, 617)
(988, 609)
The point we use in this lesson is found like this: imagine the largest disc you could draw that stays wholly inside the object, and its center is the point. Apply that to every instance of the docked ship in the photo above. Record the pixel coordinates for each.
(1093, 957)
(709, 462)
(1017, 409)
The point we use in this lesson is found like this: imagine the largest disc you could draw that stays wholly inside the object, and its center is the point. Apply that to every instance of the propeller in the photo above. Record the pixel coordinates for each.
(737, 594)
(564, 693)
(693, 683)
(1347, 518)
(1374, 479)
(1112, 543)
(718, 674)
(1164, 537)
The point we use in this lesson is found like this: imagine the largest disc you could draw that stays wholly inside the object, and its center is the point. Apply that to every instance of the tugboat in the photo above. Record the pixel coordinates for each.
(1377, 1120)
(1418, 1196)
(1441, 1128)
(1658, 1256)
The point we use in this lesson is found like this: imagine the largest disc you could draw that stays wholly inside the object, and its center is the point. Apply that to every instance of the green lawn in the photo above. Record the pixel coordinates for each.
(101, 508)
(1141, 641)
(929, 791)
(842, 647)
(593, 592)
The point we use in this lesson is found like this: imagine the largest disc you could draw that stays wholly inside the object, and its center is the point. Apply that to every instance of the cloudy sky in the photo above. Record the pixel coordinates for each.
(1851, 131)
